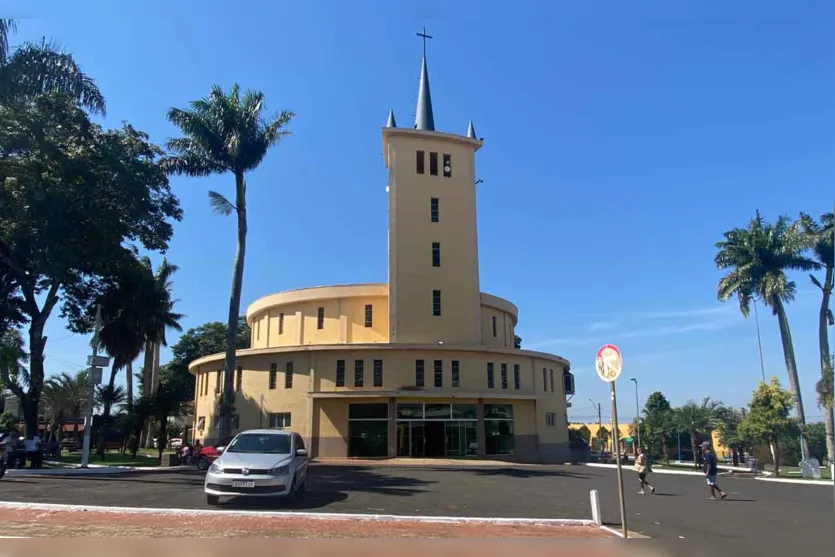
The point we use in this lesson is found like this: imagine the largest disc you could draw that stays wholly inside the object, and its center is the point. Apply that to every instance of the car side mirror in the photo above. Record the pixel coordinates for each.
(301, 452)
(221, 450)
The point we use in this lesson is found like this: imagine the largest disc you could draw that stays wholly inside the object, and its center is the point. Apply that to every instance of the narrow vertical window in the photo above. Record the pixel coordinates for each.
(551, 373)
(340, 373)
(504, 376)
(436, 302)
(494, 326)
(320, 318)
(436, 254)
(433, 164)
(456, 373)
(378, 373)
(419, 375)
(545, 379)
(491, 380)
(359, 373)
(281, 323)
(288, 375)
(434, 210)
(369, 315)
(447, 166)
(219, 381)
(273, 376)
(421, 157)
(439, 373)
(517, 380)
(239, 376)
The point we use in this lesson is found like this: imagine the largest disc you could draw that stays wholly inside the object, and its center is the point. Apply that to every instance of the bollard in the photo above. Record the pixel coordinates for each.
(595, 508)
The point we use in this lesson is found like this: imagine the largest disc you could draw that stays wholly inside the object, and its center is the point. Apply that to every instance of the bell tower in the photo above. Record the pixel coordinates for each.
(434, 294)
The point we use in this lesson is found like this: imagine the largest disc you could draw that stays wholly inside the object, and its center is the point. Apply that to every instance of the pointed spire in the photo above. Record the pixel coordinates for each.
(424, 119)
(391, 123)
(471, 131)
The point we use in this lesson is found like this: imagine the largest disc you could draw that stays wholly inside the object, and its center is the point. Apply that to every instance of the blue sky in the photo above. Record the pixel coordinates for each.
(621, 140)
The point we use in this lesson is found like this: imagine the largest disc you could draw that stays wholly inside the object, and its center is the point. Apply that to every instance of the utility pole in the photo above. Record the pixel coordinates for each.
(637, 415)
(599, 420)
(93, 379)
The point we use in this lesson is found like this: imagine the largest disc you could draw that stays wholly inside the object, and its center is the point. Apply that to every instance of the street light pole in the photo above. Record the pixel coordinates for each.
(599, 418)
(91, 389)
(637, 413)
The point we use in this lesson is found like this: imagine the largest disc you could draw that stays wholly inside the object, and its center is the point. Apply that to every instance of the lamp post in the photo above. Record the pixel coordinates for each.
(637, 414)
(599, 419)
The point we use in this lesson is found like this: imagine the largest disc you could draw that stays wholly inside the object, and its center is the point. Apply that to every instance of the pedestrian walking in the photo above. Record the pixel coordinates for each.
(711, 469)
(642, 468)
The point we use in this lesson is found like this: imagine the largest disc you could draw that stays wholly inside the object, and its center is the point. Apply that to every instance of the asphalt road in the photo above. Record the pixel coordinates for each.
(754, 510)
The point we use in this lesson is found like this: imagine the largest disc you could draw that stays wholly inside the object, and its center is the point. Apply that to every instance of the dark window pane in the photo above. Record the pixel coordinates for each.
(367, 439)
(456, 373)
(420, 162)
(281, 323)
(494, 326)
(447, 166)
(464, 412)
(369, 315)
(288, 376)
(378, 373)
(517, 380)
(359, 373)
(498, 411)
(491, 380)
(498, 436)
(436, 302)
(437, 411)
(419, 373)
(504, 376)
(439, 373)
(239, 377)
(340, 373)
(434, 211)
(320, 318)
(273, 375)
(370, 411)
(433, 164)
(436, 254)
(551, 375)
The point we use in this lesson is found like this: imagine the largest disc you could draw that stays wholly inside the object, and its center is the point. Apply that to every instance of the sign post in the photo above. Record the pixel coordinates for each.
(94, 374)
(609, 364)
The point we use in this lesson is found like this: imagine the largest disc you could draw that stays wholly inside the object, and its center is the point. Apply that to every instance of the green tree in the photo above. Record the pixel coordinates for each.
(65, 182)
(64, 397)
(728, 420)
(108, 397)
(8, 423)
(33, 69)
(769, 418)
(817, 441)
(658, 424)
(698, 420)
(583, 433)
(168, 401)
(820, 238)
(226, 133)
(602, 438)
(757, 258)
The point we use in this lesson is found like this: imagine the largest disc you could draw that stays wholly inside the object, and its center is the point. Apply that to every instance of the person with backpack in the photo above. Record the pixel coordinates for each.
(642, 468)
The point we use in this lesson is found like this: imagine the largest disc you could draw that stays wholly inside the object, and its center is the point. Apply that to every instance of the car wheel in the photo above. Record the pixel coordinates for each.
(213, 500)
(202, 464)
(302, 487)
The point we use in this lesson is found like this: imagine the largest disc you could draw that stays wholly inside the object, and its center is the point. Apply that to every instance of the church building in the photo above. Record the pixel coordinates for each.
(423, 366)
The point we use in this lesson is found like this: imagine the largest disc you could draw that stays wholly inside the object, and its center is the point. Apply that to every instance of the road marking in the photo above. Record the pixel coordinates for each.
(293, 514)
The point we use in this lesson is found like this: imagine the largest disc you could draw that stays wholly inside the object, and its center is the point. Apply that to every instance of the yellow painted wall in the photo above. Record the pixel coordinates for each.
(504, 328)
(355, 316)
(412, 278)
(330, 333)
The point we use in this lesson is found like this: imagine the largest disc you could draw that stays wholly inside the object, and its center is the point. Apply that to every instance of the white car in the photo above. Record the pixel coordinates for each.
(259, 463)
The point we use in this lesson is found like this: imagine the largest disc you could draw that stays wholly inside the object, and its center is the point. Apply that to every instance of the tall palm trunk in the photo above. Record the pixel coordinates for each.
(826, 363)
(129, 383)
(148, 388)
(105, 413)
(791, 369)
(227, 407)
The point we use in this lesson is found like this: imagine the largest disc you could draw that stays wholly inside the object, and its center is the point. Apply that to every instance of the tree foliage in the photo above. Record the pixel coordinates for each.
(517, 342)
(769, 418)
(65, 181)
(658, 423)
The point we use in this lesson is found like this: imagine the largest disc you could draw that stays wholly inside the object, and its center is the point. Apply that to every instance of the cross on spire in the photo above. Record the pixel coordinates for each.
(424, 36)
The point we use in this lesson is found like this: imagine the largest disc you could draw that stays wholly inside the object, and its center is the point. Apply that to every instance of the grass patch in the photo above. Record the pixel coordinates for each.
(113, 458)
(793, 472)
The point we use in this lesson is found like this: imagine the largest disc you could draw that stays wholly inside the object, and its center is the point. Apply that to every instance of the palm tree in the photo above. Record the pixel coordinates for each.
(226, 133)
(757, 258)
(166, 402)
(37, 68)
(107, 398)
(698, 420)
(64, 396)
(822, 244)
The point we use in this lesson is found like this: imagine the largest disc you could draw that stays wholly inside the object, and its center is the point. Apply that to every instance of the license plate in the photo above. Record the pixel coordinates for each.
(243, 484)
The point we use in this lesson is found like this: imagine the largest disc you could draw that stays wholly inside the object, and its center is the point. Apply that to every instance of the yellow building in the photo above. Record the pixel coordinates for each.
(422, 366)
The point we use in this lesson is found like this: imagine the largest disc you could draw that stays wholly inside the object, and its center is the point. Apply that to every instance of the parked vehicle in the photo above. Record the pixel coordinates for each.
(259, 463)
(70, 445)
(175, 443)
(210, 453)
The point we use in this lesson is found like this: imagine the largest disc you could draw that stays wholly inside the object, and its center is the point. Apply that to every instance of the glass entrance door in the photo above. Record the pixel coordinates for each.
(418, 439)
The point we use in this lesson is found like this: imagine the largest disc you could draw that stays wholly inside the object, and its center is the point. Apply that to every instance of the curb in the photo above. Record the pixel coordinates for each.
(92, 471)
(293, 514)
(654, 470)
(825, 483)
(630, 534)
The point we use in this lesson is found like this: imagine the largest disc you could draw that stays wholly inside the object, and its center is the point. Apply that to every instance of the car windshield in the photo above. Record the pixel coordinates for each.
(260, 443)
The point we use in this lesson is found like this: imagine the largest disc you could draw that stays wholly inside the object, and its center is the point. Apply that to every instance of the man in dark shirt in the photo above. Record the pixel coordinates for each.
(711, 468)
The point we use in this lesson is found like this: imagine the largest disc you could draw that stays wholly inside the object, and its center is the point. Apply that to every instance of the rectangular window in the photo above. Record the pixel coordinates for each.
(434, 212)
(280, 419)
(498, 429)
(447, 166)
(421, 157)
(433, 164)
(517, 380)
(504, 376)
(494, 327)
(419, 378)
(219, 381)
(436, 254)
(258, 330)
(436, 302)
(550, 419)
(369, 315)
(545, 379)
(491, 380)
(378, 373)
(456, 373)
(273, 376)
(239, 376)
(359, 372)
(320, 318)
(551, 375)
(281, 323)
(201, 423)
(288, 376)
(340, 373)
(439, 373)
